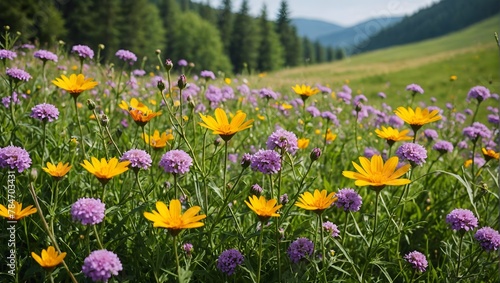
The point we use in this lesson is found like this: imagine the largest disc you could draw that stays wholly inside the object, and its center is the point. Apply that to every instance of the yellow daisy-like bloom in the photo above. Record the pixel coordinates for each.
(15, 211)
(57, 171)
(134, 104)
(221, 126)
(418, 117)
(305, 91)
(142, 117)
(156, 141)
(393, 135)
(490, 154)
(467, 163)
(49, 258)
(453, 78)
(329, 137)
(376, 174)
(264, 209)
(303, 143)
(172, 218)
(75, 84)
(317, 202)
(104, 170)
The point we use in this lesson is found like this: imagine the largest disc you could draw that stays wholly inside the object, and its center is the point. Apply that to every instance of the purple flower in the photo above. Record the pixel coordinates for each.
(493, 119)
(348, 199)
(331, 228)
(7, 54)
(182, 63)
(476, 131)
(417, 260)
(268, 94)
(395, 121)
(359, 98)
(345, 96)
(15, 158)
(313, 111)
(461, 219)
(138, 158)
(300, 249)
(246, 160)
(187, 248)
(45, 55)
(370, 151)
(83, 51)
(176, 162)
(229, 260)
(126, 55)
(382, 95)
(18, 74)
(460, 117)
(330, 117)
(315, 154)
(462, 145)
(256, 189)
(414, 153)
(284, 199)
(266, 161)
(478, 92)
(284, 140)
(214, 95)
(28, 46)
(443, 147)
(88, 211)
(138, 73)
(324, 89)
(415, 88)
(207, 75)
(489, 238)
(243, 89)
(100, 265)
(45, 112)
(430, 134)
(468, 111)
(227, 93)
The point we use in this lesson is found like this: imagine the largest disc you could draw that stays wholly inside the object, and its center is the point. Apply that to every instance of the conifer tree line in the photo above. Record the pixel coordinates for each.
(224, 38)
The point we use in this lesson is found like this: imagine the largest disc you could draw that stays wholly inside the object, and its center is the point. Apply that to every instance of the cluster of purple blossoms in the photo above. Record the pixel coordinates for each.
(207, 75)
(430, 134)
(100, 265)
(88, 211)
(370, 151)
(256, 189)
(460, 117)
(187, 248)
(214, 95)
(176, 162)
(415, 88)
(493, 119)
(18, 74)
(244, 89)
(395, 121)
(359, 99)
(126, 56)
(461, 219)
(229, 260)
(45, 55)
(443, 147)
(345, 94)
(476, 131)
(488, 238)
(348, 199)
(83, 51)
(246, 160)
(382, 95)
(299, 249)
(412, 152)
(284, 140)
(268, 94)
(478, 92)
(15, 158)
(138, 158)
(284, 199)
(417, 260)
(7, 54)
(330, 117)
(138, 73)
(315, 154)
(331, 228)
(182, 63)
(28, 46)
(45, 112)
(266, 161)
(227, 93)
(324, 89)
(313, 111)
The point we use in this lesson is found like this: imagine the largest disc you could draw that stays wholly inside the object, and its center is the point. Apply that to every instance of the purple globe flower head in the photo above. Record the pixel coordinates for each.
(126, 56)
(232, 157)
(495, 96)
(214, 95)
(443, 147)
(462, 145)
(476, 131)
(479, 93)
(468, 111)
(300, 249)
(460, 117)
(331, 228)
(284, 199)
(345, 96)
(359, 99)
(138, 73)
(28, 46)
(176, 162)
(256, 189)
(330, 117)
(88, 211)
(182, 63)
(244, 89)
(433, 99)
(488, 238)
(45, 55)
(45, 112)
(412, 152)
(493, 119)
(348, 199)
(284, 140)
(417, 260)
(7, 54)
(449, 106)
(268, 93)
(83, 51)
(313, 111)
(370, 151)
(207, 75)
(461, 219)
(100, 265)
(139, 159)
(18, 75)
(430, 134)
(324, 89)
(382, 95)
(229, 260)
(415, 88)
(227, 92)
(266, 161)
(315, 154)
(395, 121)
(187, 248)
(246, 160)
(15, 158)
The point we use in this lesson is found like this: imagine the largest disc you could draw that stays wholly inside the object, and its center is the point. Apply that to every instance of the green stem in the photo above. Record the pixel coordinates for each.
(323, 256)
(44, 136)
(112, 141)
(97, 237)
(102, 134)
(140, 186)
(175, 186)
(367, 257)
(475, 113)
(345, 227)
(459, 254)
(224, 171)
(473, 157)
(177, 260)
(80, 127)
(260, 250)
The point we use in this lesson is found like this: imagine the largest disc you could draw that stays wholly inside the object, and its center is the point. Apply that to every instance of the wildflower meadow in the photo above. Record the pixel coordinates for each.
(127, 173)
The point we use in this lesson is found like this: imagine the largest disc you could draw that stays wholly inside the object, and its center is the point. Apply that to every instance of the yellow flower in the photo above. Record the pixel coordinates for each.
(264, 209)
(329, 136)
(172, 218)
(490, 154)
(453, 78)
(221, 126)
(261, 117)
(417, 118)
(50, 258)
(303, 143)
(58, 171)
(75, 84)
(15, 211)
(467, 163)
(157, 141)
(134, 104)
(317, 202)
(104, 170)
(393, 135)
(227, 81)
(286, 106)
(305, 91)
(141, 118)
(377, 174)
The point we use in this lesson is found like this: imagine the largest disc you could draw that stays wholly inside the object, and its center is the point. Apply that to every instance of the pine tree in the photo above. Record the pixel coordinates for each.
(320, 52)
(170, 12)
(207, 12)
(270, 55)
(242, 49)
(108, 19)
(288, 36)
(309, 54)
(225, 24)
(80, 22)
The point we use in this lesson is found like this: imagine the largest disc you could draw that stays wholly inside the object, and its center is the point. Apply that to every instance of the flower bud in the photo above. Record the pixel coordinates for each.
(158, 51)
(182, 82)
(358, 107)
(246, 160)
(169, 65)
(6, 27)
(217, 142)
(161, 85)
(104, 120)
(90, 104)
(315, 154)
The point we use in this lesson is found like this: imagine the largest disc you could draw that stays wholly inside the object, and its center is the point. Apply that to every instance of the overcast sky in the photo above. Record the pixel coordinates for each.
(342, 12)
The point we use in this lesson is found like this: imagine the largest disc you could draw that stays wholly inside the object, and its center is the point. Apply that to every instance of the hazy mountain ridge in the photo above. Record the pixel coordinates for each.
(313, 29)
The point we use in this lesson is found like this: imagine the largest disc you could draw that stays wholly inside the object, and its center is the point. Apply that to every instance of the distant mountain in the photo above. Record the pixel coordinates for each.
(348, 38)
(312, 29)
